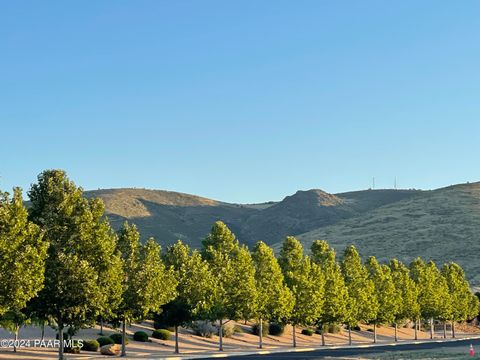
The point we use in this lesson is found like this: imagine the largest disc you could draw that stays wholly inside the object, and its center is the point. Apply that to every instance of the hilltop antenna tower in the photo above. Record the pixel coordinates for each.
(395, 183)
(373, 183)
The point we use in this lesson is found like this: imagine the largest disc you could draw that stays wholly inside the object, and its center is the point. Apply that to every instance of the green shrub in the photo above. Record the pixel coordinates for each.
(204, 329)
(308, 332)
(117, 338)
(141, 336)
(275, 329)
(90, 345)
(105, 340)
(162, 334)
(75, 349)
(256, 329)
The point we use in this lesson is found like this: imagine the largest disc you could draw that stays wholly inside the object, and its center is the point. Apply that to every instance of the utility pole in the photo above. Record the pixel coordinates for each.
(373, 183)
(395, 183)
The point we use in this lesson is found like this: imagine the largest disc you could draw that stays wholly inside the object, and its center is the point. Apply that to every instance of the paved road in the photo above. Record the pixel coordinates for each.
(319, 354)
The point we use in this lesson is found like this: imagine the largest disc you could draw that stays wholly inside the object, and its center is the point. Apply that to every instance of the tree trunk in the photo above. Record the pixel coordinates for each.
(375, 332)
(416, 335)
(260, 345)
(444, 329)
(396, 336)
(323, 337)
(431, 328)
(349, 335)
(294, 337)
(453, 329)
(43, 330)
(101, 326)
(124, 338)
(177, 351)
(220, 333)
(60, 338)
(16, 338)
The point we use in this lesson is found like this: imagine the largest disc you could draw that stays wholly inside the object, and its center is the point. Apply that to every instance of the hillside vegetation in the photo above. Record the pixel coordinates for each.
(439, 224)
(169, 216)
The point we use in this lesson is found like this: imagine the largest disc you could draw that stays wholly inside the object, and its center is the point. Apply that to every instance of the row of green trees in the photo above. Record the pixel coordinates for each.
(61, 264)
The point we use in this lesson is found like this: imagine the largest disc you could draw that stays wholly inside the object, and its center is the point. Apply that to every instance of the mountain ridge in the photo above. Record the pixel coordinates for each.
(171, 215)
(441, 224)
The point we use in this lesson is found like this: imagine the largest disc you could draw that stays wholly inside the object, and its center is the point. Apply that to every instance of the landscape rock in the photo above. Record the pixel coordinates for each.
(110, 349)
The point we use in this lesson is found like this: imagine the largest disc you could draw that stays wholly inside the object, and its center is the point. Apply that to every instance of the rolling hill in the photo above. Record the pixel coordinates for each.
(169, 216)
(442, 224)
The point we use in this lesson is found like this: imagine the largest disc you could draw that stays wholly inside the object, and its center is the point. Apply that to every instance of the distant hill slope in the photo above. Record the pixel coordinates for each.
(441, 225)
(169, 216)
(311, 209)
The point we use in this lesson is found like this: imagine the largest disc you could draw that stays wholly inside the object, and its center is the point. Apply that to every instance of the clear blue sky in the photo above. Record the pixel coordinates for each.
(241, 101)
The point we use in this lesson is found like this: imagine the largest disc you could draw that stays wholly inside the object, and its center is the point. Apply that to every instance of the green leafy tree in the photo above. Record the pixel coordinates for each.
(175, 313)
(22, 255)
(147, 283)
(236, 296)
(473, 308)
(220, 240)
(241, 291)
(433, 295)
(195, 289)
(128, 245)
(459, 293)
(291, 257)
(385, 292)
(406, 291)
(305, 280)
(83, 271)
(275, 300)
(363, 301)
(335, 307)
(12, 320)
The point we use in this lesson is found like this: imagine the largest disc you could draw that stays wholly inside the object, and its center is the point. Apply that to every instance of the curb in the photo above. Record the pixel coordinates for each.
(310, 349)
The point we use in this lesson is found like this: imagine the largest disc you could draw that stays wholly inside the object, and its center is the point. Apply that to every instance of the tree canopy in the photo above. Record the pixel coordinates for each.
(22, 254)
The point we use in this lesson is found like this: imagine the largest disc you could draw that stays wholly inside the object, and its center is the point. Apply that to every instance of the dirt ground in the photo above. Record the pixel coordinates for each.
(191, 344)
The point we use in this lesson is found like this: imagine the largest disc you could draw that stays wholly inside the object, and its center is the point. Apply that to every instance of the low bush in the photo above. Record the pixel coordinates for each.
(356, 328)
(308, 332)
(256, 329)
(105, 340)
(237, 329)
(328, 329)
(141, 336)
(204, 328)
(228, 330)
(334, 329)
(162, 334)
(117, 338)
(75, 349)
(275, 329)
(90, 345)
